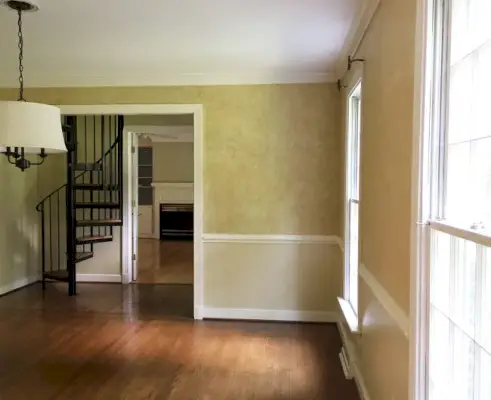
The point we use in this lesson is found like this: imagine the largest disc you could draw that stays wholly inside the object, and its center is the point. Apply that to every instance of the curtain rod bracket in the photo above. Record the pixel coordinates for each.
(353, 60)
(340, 85)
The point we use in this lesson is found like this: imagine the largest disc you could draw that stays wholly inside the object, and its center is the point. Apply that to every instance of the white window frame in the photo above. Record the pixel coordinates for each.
(428, 177)
(348, 309)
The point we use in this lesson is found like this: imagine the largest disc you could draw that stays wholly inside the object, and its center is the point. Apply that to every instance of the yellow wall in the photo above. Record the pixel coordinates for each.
(271, 166)
(173, 162)
(385, 208)
(280, 139)
(19, 235)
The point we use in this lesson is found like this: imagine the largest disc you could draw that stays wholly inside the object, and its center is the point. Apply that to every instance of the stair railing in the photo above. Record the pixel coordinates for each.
(58, 213)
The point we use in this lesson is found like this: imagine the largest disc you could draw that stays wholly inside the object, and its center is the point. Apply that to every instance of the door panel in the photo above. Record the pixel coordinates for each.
(145, 221)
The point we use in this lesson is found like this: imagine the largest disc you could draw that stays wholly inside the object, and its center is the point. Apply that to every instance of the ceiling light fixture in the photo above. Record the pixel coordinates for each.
(28, 128)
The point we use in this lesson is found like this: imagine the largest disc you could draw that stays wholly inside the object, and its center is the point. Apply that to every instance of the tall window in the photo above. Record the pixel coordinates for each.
(352, 202)
(459, 230)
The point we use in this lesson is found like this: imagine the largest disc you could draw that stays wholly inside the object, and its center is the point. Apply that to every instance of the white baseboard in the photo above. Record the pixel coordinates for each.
(267, 239)
(17, 284)
(269, 315)
(99, 278)
(352, 367)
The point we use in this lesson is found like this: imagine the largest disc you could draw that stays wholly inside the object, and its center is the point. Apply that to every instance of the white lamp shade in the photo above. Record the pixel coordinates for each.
(31, 125)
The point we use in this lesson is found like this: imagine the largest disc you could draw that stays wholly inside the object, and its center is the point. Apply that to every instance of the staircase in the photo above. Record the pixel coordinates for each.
(83, 212)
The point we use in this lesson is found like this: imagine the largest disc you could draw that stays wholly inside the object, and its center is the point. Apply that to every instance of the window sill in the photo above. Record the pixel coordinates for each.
(349, 316)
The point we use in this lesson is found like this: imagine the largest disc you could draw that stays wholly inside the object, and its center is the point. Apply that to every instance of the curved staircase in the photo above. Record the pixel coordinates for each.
(83, 211)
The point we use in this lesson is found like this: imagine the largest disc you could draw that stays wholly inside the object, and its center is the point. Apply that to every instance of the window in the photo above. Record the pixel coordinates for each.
(349, 304)
(459, 241)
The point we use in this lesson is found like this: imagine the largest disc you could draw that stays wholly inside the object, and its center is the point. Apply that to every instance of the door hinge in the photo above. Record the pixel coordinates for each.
(133, 149)
(134, 257)
(133, 203)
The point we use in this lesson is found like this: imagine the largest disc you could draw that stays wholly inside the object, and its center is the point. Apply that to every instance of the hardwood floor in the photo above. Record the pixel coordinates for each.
(122, 342)
(161, 261)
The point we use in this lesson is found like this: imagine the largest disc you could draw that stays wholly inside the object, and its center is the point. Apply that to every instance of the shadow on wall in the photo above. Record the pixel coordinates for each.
(20, 233)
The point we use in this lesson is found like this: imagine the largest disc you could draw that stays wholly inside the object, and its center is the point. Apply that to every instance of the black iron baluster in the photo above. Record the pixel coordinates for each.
(103, 173)
(43, 248)
(120, 164)
(50, 236)
(70, 218)
(92, 211)
(86, 143)
(58, 227)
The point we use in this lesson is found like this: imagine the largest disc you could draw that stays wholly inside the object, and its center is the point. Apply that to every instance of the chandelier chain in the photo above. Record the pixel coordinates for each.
(21, 57)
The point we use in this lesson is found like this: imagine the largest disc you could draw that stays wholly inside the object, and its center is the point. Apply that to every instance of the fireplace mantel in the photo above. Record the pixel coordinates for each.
(170, 193)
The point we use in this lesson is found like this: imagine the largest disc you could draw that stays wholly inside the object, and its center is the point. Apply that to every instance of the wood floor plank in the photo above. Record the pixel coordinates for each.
(135, 342)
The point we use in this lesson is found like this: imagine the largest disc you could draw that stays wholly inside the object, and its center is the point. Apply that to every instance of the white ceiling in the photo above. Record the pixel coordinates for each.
(157, 42)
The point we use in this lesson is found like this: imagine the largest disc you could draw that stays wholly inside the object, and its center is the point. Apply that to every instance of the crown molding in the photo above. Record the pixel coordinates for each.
(160, 78)
(356, 34)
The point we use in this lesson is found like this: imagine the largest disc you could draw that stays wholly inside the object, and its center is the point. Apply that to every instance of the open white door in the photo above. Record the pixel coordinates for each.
(134, 203)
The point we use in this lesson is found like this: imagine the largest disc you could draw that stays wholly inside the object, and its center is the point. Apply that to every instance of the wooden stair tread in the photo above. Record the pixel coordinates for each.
(89, 204)
(94, 239)
(61, 275)
(82, 256)
(99, 222)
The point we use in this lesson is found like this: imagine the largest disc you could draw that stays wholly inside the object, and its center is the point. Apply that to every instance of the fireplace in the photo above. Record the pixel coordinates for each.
(176, 222)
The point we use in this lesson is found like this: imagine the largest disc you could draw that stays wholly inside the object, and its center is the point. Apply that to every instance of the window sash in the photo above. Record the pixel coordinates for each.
(459, 309)
(351, 261)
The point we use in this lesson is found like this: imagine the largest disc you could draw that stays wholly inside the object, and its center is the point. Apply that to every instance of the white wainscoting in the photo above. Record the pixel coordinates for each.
(271, 277)
(384, 324)
(170, 193)
(399, 316)
(17, 284)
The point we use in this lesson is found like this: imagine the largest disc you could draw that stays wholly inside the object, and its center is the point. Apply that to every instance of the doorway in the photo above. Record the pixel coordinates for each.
(162, 167)
(127, 230)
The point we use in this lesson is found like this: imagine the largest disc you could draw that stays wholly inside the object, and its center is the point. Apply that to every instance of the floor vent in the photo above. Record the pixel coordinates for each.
(345, 364)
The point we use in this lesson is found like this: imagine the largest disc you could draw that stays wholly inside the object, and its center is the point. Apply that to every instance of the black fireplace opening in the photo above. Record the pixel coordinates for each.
(176, 221)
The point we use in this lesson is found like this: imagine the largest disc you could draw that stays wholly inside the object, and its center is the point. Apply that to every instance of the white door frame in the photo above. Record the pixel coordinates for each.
(127, 229)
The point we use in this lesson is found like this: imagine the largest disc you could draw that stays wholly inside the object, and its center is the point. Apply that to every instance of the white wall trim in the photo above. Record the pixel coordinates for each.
(356, 34)
(383, 296)
(340, 243)
(17, 284)
(270, 315)
(238, 238)
(164, 134)
(127, 229)
(354, 369)
(130, 109)
(386, 300)
(157, 78)
(102, 278)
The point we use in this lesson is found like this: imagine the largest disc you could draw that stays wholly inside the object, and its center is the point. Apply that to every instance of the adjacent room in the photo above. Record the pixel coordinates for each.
(165, 176)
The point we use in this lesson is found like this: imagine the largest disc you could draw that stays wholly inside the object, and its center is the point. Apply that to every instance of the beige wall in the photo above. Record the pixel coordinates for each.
(385, 209)
(160, 120)
(19, 235)
(173, 162)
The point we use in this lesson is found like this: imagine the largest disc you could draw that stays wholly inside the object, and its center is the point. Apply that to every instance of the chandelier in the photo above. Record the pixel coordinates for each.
(28, 128)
